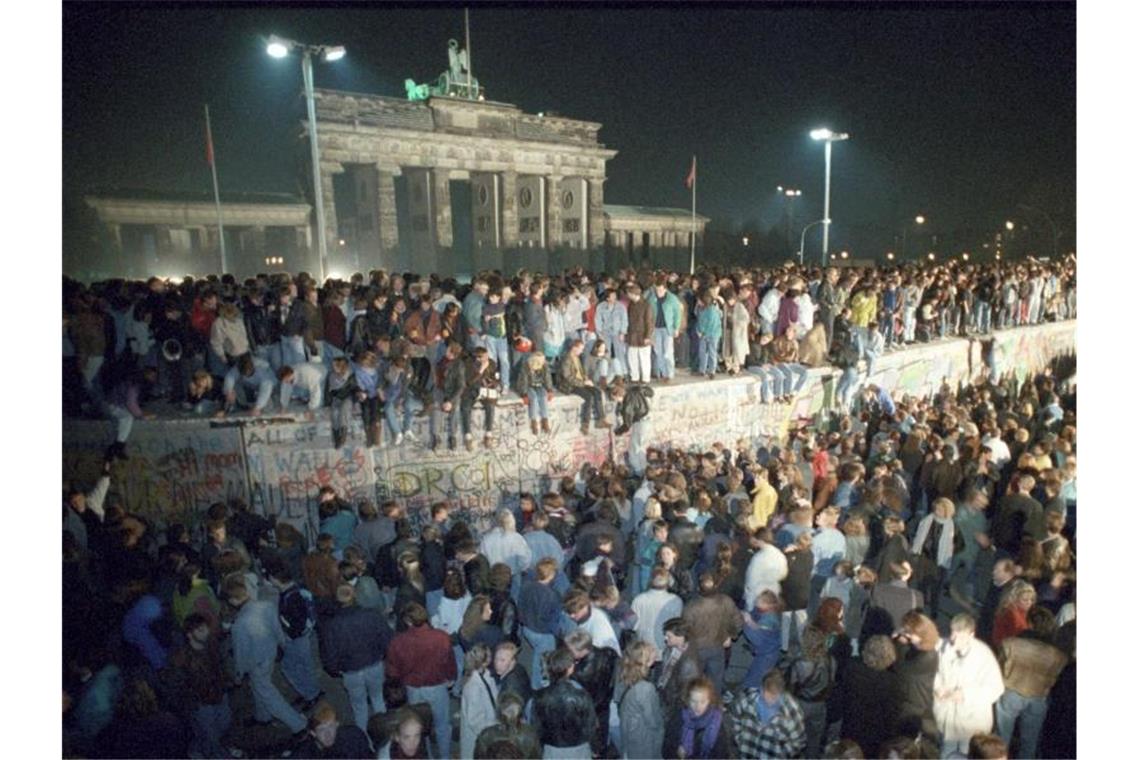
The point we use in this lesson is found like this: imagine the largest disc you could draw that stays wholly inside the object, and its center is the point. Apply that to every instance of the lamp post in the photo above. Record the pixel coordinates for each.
(920, 219)
(828, 137)
(804, 233)
(1052, 226)
(279, 47)
(790, 194)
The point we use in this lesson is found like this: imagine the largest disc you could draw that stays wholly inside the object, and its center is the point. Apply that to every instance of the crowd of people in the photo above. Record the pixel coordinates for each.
(392, 347)
(899, 581)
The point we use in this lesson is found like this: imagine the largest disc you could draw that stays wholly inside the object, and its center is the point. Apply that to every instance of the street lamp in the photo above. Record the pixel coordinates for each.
(790, 194)
(802, 234)
(1009, 225)
(890, 256)
(828, 137)
(279, 47)
(1053, 227)
(920, 219)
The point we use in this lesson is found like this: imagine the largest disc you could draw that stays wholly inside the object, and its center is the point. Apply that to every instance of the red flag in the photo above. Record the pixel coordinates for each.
(689, 180)
(209, 145)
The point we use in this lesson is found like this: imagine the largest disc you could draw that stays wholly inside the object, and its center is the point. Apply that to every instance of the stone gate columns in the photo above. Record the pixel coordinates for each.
(553, 212)
(328, 199)
(510, 210)
(441, 207)
(386, 213)
(595, 215)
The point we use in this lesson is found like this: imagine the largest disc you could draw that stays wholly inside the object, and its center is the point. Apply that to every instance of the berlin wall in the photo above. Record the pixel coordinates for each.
(178, 467)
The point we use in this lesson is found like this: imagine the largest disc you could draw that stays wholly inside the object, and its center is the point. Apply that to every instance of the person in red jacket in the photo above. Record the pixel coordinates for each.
(422, 660)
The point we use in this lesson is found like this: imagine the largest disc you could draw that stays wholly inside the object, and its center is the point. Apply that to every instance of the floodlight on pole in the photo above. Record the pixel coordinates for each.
(828, 137)
(280, 47)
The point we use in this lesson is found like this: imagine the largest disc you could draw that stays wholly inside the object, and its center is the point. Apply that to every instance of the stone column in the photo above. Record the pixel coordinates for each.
(332, 230)
(595, 215)
(510, 215)
(388, 225)
(553, 219)
(441, 207)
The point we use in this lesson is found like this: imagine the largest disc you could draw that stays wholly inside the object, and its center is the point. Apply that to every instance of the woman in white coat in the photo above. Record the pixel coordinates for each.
(480, 696)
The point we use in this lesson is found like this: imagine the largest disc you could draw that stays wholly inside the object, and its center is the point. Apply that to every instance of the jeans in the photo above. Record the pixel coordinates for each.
(440, 700)
(340, 413)
(794, 376)
(910, 321)
(767, 373)
(365, 689)
(452, 420)
(862, 339)
(292, 350)
(981, 317)
(616, 348)
(299, 667)
(1013, 708)
(706, 355)
(124, 421)
(465, 408)
(541, 643)
(267, 700)
(712, 664)
(639, 363)
(91, 379)
(209, 724)
(592, 399)
(498, 349)
(536, 403)
(845, 387)
(433, 600)
(786, 618)
(663, 352)
(410, 404)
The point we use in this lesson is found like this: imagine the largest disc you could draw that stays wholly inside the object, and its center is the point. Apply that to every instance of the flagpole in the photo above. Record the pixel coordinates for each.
(693, 226)
(467, 43)
(217, 196)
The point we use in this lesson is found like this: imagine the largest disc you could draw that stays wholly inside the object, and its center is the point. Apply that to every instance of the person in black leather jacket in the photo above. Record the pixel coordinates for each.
(504, 612)
(564, 714)
(509, 674)
(594, 669)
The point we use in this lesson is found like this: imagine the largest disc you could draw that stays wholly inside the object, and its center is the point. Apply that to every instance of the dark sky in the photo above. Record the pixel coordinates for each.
(956, 111)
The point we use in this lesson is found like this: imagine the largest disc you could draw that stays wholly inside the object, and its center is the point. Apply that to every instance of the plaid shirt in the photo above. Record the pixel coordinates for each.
(782, 736)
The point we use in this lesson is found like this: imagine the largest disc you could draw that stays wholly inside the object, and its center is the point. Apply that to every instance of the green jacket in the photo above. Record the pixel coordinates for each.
(671, 306)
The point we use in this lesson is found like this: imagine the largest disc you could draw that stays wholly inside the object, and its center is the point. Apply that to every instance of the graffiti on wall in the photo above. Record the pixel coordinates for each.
(177, 468)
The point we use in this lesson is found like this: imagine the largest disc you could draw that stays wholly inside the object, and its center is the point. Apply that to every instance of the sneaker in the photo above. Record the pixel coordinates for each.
(546, 426)
(451, 443)
(469, 442)
(534, 427)
(410, 436)
(586, 429)
(488, 441)
(399, 438)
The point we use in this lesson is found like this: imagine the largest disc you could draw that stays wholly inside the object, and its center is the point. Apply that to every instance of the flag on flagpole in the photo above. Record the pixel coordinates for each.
(692, 176)
(209, 143)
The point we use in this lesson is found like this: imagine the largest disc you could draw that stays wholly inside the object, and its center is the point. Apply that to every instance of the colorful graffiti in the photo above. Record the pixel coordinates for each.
(177, 468)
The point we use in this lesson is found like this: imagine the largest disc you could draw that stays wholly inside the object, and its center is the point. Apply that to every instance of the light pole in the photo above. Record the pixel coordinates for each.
(828, 138)
(1052, 226)
(279, 47)
(790, 194)
(920, 219)
(804, 233)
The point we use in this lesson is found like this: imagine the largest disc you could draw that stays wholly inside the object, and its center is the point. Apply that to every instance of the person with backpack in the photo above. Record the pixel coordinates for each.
(297, 612)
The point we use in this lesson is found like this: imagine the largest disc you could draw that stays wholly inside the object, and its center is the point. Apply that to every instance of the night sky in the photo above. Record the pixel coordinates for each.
(960, 112)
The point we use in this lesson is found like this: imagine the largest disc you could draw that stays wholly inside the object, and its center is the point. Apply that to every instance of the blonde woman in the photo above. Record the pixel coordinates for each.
(480, 696)
(639, 706)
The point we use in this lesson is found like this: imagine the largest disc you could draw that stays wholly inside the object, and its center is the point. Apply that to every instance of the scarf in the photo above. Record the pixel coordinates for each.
(945, 541)
(709, 723)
